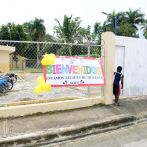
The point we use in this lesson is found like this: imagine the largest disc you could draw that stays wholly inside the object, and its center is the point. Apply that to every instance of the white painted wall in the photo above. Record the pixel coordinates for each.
(131, 54)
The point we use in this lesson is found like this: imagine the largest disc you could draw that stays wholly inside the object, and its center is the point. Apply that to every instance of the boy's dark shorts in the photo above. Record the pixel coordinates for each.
(115, 89)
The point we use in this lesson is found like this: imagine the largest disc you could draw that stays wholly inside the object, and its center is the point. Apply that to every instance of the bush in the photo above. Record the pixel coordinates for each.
(92, 55)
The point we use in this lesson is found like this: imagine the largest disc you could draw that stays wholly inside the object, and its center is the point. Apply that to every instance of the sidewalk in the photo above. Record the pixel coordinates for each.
(72, 123)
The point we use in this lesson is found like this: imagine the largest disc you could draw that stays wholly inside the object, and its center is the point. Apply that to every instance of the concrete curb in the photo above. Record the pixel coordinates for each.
(65, 132)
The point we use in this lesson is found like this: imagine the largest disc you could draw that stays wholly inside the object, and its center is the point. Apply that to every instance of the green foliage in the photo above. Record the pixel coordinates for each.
(135, 17)
(126, 21)
(49, 48)
(35, 28)
(68, 32)
(127, 30)
(144, 27)
(91, 55)
(86, 34)
(62, 50)
(145, 35)
(16, 32)
(48, 38)
(13, 32)
(98, 30)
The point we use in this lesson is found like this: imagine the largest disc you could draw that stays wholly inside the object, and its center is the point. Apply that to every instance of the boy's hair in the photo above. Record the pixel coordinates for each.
(119, 68)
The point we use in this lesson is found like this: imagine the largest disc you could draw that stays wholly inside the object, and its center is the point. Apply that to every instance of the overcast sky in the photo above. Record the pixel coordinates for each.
(21, 11)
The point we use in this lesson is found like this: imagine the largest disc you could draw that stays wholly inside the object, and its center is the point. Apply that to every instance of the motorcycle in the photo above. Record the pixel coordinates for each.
(6, 84)
(12, 75)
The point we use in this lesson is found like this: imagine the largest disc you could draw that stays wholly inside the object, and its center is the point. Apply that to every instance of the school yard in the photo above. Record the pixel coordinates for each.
(23, 90)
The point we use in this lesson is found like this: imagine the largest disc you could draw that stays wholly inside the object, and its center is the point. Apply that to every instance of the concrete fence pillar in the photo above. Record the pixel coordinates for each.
(108, 39)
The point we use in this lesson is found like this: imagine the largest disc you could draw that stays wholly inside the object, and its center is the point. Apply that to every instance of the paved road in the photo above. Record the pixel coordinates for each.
(135, 136)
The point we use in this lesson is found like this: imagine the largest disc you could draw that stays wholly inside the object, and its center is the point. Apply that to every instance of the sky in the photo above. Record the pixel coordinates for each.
(21, 11)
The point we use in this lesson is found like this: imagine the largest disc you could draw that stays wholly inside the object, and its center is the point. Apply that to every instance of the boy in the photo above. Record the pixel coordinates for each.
(116, 84)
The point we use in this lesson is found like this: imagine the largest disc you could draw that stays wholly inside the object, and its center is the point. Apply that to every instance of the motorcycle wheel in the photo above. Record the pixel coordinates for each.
(15, 79)
(3, 89)
(10, 85)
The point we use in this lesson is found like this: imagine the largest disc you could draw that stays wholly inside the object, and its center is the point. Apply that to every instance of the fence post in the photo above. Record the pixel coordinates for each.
(88, 56)
(109, 60)
(37, 55)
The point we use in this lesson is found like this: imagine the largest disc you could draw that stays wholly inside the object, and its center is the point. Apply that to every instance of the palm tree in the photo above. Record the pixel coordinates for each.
(109, 24)
(37, 31)
(135, 17)
(68, 32)
(144, 27)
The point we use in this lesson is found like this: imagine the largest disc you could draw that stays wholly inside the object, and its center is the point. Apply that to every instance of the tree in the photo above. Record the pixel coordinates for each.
(144, 27)
(126, 21)
(127, 30)
(135, 17)
(85, 34)
(68, 32)
(35, 28)
(17, 33)
(48, 38)
(109, 24)
(98, 30)
(13, 32)
(37, 31)
(145, 35)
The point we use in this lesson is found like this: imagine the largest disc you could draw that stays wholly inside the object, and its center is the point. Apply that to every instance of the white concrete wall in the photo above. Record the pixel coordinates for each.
(131, 54)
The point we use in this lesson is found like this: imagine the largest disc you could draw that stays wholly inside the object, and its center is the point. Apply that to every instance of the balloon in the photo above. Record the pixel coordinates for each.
(50, 60)
(40, 80)
(44, 61)
(52, 55)
(46, 56)
(48, 87)
(38, 89)
(45, 87)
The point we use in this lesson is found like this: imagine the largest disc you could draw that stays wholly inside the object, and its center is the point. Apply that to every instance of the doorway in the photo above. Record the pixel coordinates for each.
(119, 61)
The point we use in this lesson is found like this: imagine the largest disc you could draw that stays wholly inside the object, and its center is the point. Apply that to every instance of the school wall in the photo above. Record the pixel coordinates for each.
(4, 61)
(4, 57)
(131, 54)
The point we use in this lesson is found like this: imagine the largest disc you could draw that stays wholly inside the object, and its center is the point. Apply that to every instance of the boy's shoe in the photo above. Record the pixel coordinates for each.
(118, 104)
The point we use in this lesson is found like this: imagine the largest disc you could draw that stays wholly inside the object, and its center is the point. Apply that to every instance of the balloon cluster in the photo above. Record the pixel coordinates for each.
(42, 85)
(48, 59)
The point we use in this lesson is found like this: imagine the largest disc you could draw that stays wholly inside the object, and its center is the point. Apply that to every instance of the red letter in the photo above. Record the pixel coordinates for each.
(54, 72)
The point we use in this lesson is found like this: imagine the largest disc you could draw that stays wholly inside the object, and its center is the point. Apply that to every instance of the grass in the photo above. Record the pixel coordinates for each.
(29, 70)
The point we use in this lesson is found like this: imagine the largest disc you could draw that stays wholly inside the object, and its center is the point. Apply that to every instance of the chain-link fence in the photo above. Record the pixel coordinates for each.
(26, 63)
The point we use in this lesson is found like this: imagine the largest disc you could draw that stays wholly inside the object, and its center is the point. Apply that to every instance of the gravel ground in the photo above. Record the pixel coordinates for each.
(24, 91)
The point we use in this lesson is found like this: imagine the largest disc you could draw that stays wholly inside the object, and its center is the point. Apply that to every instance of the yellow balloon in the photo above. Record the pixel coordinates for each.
(43, 86)
(50, 60)
(48, 87)
(38, 89)
(44, 61)
(46, 56)
(40, 80)
(52, 55)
